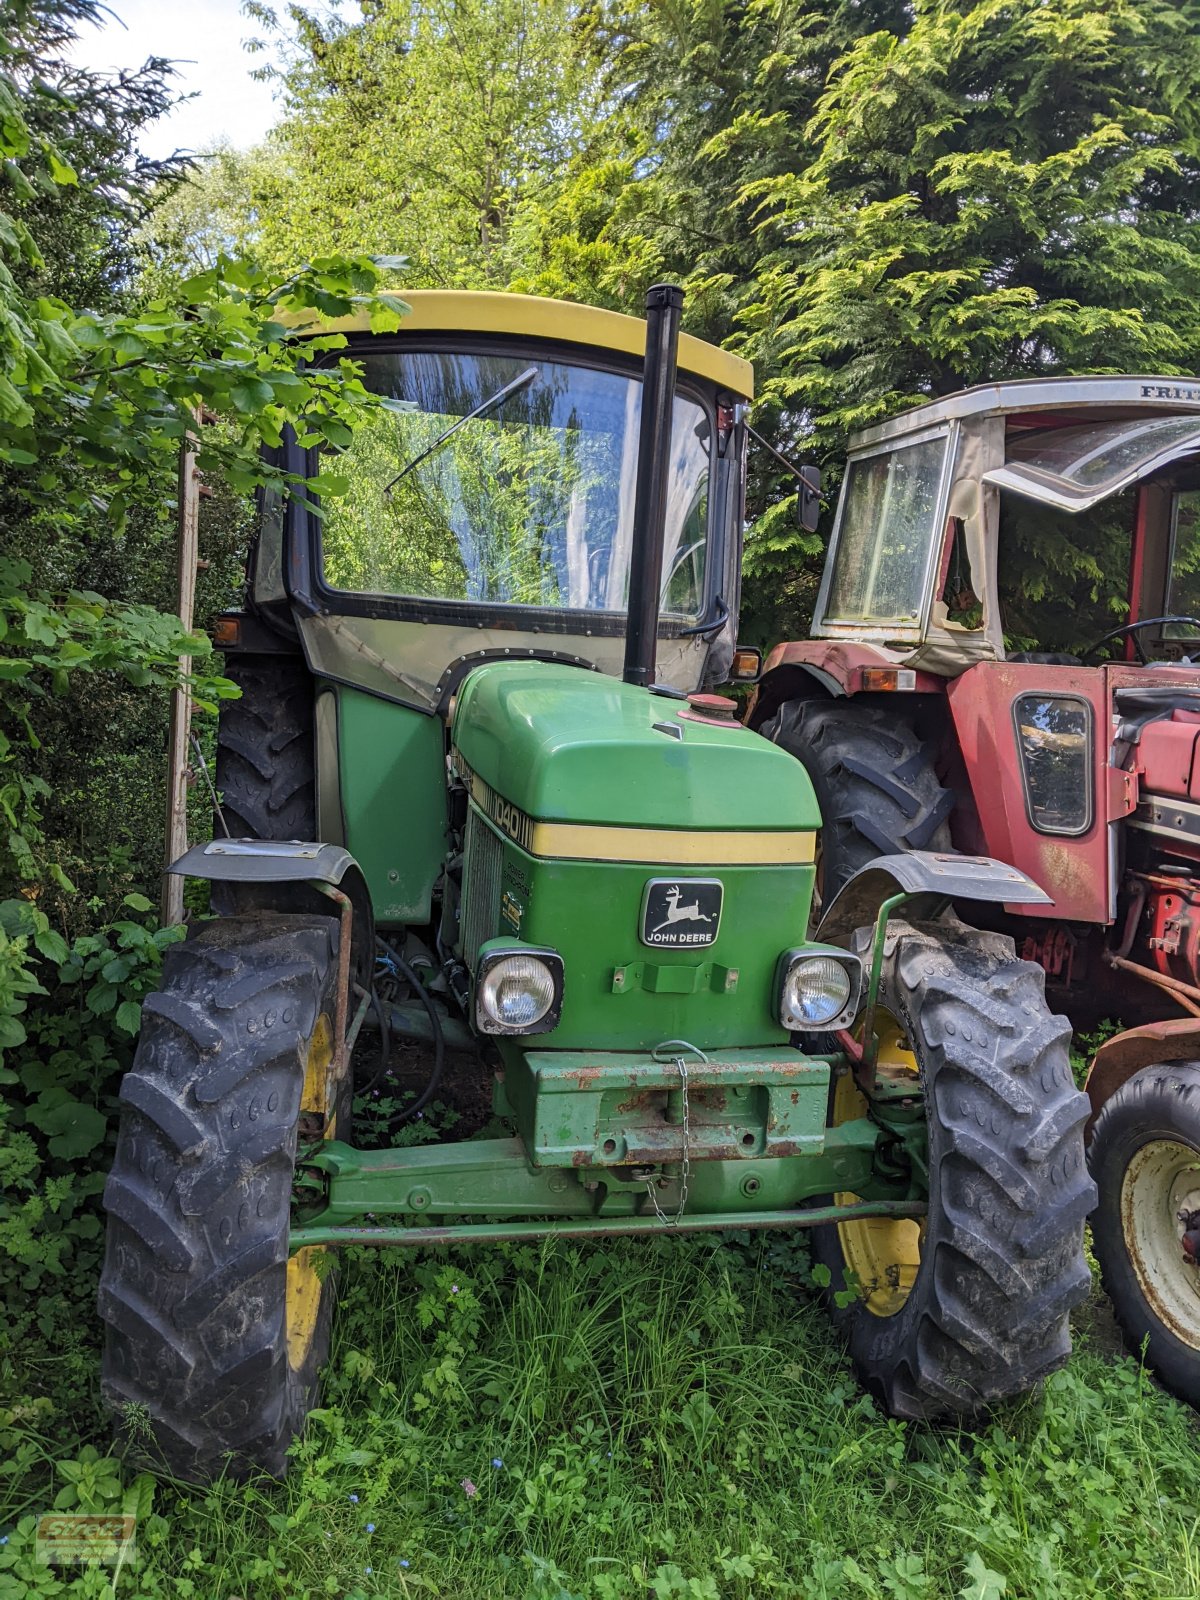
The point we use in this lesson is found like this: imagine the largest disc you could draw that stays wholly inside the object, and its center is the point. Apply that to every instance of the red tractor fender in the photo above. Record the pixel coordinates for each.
(1125, 1054)
(831, 667)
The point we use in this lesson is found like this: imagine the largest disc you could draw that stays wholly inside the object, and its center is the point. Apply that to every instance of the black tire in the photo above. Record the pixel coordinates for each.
(874, 780)
(266, 766)
(1156, 1104)
(195, 1288)
(1001, 1259)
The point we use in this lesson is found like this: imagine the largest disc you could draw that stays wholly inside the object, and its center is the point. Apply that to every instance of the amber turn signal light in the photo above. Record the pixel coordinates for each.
(746, 666)
(904, 678)
(227, 632)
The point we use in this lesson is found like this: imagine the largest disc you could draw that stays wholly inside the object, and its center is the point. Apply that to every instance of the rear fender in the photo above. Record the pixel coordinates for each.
(1125, 1054)
(828, 668)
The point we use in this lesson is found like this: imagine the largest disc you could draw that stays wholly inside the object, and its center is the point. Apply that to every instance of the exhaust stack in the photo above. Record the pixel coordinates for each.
(664, 303)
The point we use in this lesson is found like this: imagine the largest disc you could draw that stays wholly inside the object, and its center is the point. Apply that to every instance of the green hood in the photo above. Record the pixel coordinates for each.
(567, 745)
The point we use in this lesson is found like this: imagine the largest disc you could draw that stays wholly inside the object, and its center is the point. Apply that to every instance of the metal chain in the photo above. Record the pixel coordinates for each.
(685, 1170)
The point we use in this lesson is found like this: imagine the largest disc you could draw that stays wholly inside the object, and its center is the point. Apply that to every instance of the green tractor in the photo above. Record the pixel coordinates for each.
(478, 791)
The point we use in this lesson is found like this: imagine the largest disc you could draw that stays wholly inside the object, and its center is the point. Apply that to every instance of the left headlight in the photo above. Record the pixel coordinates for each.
(518, 990)
(818, 987)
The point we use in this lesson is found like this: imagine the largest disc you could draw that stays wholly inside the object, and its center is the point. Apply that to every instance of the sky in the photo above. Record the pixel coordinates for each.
(205, 38)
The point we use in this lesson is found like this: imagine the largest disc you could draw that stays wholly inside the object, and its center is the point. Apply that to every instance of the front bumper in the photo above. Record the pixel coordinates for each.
(580, 1108)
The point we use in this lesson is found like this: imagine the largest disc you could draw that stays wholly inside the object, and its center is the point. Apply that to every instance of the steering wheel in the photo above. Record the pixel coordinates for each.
(1133, 630)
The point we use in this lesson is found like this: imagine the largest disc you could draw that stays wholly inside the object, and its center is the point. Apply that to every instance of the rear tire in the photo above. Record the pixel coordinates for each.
(984, 1314)
(266, 770)
(874, 781)
(1145, 1158)
(214, 1340)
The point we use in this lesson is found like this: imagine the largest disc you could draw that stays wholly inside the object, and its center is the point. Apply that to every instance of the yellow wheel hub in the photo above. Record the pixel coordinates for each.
(883, 1253)
(304, 1278)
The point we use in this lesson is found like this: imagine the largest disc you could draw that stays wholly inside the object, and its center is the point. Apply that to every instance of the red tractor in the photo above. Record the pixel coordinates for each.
(922, 730)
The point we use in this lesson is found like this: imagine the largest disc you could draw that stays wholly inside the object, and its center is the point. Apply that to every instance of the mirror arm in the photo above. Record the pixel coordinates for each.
(799, 473)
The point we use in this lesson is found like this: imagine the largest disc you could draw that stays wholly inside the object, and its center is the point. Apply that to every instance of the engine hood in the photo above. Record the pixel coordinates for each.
(567, 745)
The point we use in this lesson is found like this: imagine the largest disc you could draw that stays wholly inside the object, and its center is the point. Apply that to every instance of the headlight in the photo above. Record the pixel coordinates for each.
(518, 990)
(818, 989)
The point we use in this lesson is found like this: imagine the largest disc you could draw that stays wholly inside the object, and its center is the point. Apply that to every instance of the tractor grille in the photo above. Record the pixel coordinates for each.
(483, 859)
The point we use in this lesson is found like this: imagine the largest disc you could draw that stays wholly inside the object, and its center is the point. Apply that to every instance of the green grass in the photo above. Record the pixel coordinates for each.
(672, 1418)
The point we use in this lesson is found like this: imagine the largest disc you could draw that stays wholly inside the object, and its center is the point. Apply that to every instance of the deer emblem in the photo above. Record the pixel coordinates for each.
(680, 913)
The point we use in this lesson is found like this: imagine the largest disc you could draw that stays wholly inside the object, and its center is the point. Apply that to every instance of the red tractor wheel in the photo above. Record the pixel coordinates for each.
(1145, 1157)
(874, 780)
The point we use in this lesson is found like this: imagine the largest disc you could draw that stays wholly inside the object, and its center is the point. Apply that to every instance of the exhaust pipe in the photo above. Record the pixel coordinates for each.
(664, 303)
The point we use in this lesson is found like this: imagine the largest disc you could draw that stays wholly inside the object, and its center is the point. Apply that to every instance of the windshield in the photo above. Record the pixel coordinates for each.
(885, 535)
(527, 503)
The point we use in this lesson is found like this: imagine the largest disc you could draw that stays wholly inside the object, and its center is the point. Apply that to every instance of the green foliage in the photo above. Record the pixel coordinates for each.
(612, 1421)
(61, 1071)
(416, 129)
(879, 202)
(93, 409)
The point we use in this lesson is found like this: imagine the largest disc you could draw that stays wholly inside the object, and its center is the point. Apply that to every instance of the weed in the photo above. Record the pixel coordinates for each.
(667, 1419)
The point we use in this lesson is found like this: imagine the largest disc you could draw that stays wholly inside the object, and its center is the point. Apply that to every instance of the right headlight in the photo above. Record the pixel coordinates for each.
(818, 988)
(518, 989)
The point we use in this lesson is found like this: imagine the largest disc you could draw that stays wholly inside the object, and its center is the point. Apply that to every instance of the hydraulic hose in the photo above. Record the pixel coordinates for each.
(399, 965)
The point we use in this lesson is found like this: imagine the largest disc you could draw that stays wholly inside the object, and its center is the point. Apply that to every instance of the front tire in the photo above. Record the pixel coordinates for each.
(1145, 1158)
(214, 1338)
(973, 1306)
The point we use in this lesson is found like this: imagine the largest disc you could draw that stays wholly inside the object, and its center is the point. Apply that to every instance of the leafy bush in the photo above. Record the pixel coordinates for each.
(60, 1075)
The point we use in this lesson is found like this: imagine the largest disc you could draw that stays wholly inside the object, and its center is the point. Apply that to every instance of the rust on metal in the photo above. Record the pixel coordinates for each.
(1185, 994)
(342, 1004)
(1118, 1058)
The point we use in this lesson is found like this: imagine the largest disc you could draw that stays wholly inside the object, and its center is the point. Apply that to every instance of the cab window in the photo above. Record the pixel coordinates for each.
(507, 480)
(886, 534)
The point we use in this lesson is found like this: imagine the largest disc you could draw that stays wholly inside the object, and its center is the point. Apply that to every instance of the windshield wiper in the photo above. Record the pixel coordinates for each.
(481, 410)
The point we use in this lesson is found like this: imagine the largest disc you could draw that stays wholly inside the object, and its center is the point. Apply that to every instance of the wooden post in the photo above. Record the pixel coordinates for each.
(181, 700)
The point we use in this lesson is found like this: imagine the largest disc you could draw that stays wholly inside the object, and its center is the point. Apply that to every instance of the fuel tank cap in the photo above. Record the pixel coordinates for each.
(715, 709)
(713, 705)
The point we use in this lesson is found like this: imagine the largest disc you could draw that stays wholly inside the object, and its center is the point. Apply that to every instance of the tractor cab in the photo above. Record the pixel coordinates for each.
(945, 510)
(489, 502)
(1015, 568)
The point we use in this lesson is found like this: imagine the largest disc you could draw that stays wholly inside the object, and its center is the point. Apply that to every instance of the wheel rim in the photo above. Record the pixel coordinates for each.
(883, 1253)
(304, 1276)
(1162, 1180)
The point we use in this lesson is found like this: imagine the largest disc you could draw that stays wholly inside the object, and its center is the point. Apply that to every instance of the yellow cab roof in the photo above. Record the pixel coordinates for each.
(532, 316)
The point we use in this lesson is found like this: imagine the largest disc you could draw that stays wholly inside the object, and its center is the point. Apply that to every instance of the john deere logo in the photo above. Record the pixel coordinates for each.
(681, 913)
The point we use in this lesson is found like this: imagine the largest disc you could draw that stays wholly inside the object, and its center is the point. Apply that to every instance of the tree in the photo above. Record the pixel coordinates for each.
(421, 129)
(880, 202)
(93, 406)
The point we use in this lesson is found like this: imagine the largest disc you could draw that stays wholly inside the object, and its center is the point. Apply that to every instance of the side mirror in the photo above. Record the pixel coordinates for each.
(808, 498)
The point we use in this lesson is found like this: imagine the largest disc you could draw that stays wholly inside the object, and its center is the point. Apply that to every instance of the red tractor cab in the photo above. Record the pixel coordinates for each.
(932, 713)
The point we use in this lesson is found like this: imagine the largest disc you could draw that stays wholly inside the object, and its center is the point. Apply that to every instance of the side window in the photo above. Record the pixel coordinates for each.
(1183, 583)
(963, 606)
(1054, 738)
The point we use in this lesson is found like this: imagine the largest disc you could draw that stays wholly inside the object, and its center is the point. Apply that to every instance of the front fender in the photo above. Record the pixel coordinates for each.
(282, 875)
(932, 880)
(1125, 1054)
